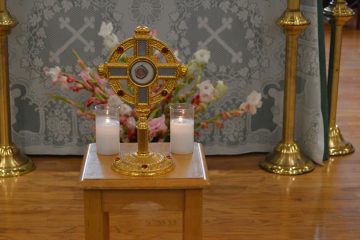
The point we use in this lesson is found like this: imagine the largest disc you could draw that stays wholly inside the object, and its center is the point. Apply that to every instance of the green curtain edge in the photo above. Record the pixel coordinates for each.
(323, 80)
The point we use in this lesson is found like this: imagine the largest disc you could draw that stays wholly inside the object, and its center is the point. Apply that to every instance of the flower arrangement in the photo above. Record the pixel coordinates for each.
(191, 89)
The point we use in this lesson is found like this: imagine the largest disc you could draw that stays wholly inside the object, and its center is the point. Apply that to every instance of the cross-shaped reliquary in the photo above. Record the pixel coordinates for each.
(142, 71)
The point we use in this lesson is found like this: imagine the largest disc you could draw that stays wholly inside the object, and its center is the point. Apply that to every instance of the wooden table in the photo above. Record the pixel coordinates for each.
(106, 191)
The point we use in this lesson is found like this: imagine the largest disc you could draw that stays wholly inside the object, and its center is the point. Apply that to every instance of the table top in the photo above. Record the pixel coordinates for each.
(190, 170)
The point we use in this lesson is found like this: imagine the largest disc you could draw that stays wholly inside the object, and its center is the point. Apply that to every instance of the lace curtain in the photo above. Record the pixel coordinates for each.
(247, 53)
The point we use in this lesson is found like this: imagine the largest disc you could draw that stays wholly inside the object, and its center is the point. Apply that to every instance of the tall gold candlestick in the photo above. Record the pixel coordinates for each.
(338, 14)
(12, 162)
(2, 5)
(287, 158)
(293, 5)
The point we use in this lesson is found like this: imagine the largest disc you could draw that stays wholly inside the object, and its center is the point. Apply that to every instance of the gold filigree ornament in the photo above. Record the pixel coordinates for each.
(149, 64)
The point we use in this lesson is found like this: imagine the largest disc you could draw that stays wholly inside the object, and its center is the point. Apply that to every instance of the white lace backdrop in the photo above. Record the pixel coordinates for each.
(247, 53)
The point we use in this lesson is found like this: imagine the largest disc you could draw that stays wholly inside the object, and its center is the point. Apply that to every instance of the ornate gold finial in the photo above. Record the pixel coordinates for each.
(142, 31)
(6, 20)
(339, 9)
(182, 70)
(101, 70)
(292, 18)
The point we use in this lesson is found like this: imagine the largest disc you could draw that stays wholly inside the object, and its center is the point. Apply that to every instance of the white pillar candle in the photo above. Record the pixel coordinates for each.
(182, 135)
(107, 135)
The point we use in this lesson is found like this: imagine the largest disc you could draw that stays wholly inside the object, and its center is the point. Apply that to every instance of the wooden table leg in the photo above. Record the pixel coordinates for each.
(96, 221)
(192, 219)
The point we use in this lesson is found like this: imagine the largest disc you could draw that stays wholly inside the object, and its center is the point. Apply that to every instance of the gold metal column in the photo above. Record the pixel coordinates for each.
(287, 158)
(338, 14)
(143, 135)
(12, 161)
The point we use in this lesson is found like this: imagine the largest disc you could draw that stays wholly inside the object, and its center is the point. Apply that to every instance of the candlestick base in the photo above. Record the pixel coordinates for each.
(13, 162)
(151, 164)
(338, 146)
(287, 159)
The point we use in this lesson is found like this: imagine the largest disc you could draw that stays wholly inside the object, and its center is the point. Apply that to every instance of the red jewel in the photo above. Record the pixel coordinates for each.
(164, 93)
(168, 156)
(144, 166)
(165, 50)
(120, 49)
(117, 158)
(120, 93)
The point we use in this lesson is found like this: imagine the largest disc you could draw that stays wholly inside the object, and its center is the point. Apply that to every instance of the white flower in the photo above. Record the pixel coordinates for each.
(202, 56)
(115, 101)
(56, 75)
(131, 123)
(157, 54)
(176, 53)
(54, 72)
(125, 109)
(110, 41)
(207, 91)
(254, 100)
(192, 68)
(106, 31)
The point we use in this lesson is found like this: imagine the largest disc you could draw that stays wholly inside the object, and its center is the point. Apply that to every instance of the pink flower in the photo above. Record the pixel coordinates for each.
(98, 91)
(204, 124)
(90, 101)
(154, 32)
(238, 112)
(244, 107)
(70, 79)
(254, 100)
(196, 100)
(56, 76)
(94, 100)
(85, 74)
(76, 88)
(87, 115)
(109, 91)
(225, 115)
(101, 81)
(219, 124)
(81, 63)
(157, 126)
(207, 91)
